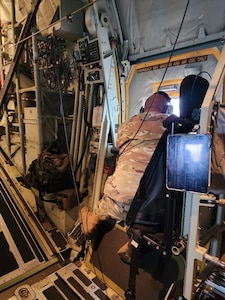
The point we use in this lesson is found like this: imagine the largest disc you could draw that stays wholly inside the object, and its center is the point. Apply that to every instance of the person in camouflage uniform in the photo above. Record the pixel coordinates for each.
(137, 139)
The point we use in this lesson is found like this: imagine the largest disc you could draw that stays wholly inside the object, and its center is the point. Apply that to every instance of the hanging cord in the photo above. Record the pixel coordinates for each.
(196, 77)
(67, 18)
(204, 72)
(164, 74)
(62, 113)
(195, 117)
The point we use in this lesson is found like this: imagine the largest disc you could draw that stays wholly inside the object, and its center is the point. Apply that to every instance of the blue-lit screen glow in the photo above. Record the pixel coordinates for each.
(188, 162)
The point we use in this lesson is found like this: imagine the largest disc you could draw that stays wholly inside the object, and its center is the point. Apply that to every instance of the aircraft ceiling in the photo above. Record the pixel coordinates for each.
(150, 27)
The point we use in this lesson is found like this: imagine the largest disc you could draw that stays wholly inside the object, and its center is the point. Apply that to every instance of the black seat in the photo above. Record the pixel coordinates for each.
(152, 214)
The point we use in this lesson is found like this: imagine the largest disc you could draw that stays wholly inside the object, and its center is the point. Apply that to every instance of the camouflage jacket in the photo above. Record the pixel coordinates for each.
(137, 140)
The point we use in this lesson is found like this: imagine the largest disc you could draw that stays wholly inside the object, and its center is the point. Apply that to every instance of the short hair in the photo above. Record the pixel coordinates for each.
(164, 94)
(157, 102)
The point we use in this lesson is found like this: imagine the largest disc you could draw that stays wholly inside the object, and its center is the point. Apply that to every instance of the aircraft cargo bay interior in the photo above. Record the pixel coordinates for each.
(112, 150)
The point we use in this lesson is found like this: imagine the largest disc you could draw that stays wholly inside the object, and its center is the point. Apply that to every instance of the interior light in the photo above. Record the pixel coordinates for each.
(169, 88)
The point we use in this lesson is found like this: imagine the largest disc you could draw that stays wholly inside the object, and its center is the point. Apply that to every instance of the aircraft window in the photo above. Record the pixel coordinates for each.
(176, 106)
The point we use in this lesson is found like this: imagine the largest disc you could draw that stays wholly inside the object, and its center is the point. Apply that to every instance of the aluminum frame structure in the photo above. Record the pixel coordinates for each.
(195, 201)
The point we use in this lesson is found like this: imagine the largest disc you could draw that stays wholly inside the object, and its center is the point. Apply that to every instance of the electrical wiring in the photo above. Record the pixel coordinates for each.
(193, 84)
(164, 74)
(65, 18)
(62, 112)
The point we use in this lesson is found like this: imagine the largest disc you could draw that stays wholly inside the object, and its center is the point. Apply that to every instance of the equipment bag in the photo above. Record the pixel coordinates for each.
(49, 172)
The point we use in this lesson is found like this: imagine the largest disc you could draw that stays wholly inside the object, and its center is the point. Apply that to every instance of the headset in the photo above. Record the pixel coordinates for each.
(165, 95)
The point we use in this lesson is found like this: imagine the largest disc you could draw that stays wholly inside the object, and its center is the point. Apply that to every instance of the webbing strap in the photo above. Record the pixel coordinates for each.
(135, 248)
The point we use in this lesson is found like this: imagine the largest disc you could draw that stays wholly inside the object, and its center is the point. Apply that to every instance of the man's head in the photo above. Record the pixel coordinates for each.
(157, 102)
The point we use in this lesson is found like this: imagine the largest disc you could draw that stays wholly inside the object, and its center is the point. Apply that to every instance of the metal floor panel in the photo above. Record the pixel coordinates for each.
(155, 273)
(19, 250)
(72, 282)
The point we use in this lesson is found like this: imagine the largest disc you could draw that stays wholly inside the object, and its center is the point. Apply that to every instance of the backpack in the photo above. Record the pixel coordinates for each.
(50, 172)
